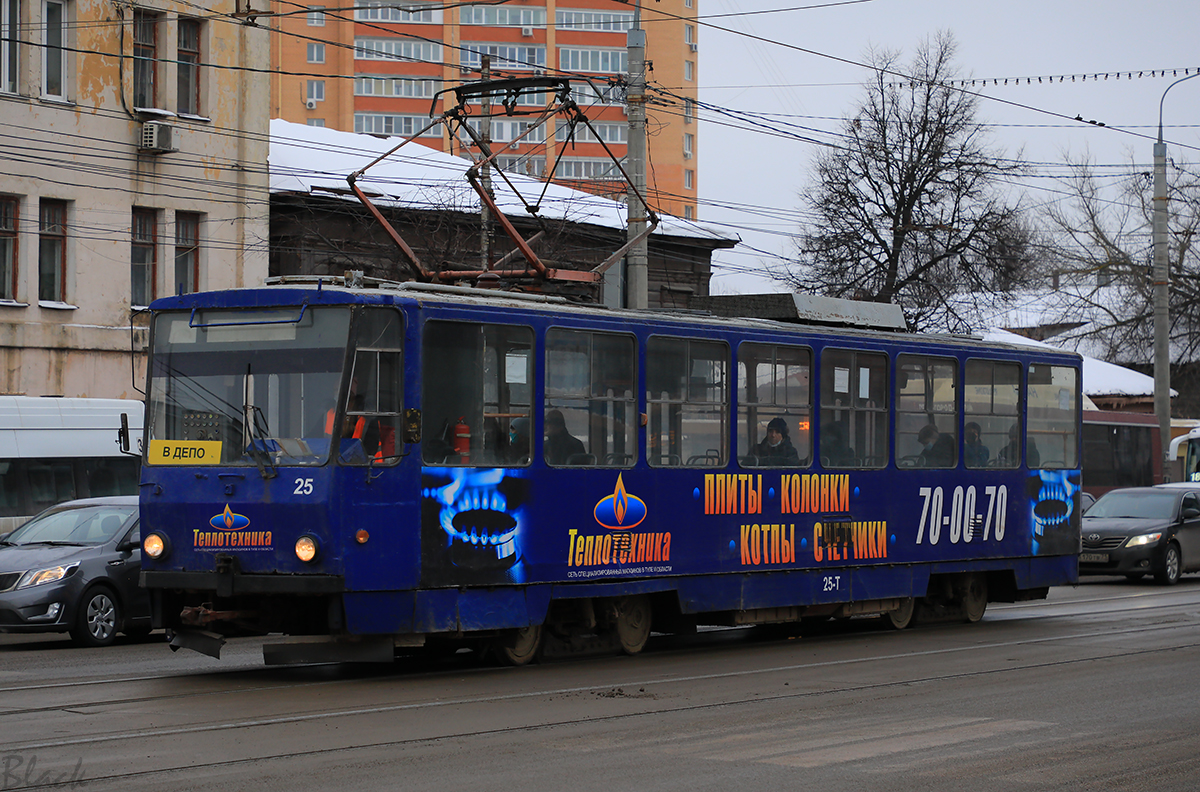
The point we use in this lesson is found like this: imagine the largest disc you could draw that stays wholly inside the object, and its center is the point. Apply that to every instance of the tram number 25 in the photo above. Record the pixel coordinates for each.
(963, 523)
(304, 486)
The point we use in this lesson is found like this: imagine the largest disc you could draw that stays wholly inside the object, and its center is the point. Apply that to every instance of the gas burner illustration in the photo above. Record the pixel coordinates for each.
(476, 517)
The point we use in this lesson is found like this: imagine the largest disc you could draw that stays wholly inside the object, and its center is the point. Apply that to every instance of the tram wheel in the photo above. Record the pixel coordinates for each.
(520, 647)
(902, 617)
(974, 598)
(633, 623)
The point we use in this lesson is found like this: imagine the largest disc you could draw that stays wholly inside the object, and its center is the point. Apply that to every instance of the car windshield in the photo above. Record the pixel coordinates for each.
(90, 525)
(1136, 504)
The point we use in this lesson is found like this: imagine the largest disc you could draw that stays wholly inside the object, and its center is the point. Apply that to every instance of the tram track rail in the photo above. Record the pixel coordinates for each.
(428, 673)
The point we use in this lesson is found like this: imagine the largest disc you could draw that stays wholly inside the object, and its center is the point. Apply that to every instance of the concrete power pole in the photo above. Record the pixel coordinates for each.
(485, 173)
(1162, 284)
(636, 281)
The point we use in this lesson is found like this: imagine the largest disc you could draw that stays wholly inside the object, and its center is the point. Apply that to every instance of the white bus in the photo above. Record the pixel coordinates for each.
(55, 449)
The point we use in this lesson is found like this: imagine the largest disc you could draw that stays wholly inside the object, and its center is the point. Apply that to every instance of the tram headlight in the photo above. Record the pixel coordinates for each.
(1144, 539)
(155, 545)
(306, 549)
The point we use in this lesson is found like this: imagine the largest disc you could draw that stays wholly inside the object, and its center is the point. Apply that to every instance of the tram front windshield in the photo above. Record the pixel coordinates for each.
(245, 387)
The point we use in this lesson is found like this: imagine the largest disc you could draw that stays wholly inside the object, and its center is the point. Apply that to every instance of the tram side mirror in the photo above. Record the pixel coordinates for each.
(123, 433)
(412, 426)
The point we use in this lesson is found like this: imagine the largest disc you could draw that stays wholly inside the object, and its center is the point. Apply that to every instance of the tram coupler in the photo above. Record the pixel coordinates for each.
(198, 616)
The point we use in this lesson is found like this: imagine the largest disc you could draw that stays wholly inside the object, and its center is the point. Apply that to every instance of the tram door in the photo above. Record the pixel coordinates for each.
(378, 483)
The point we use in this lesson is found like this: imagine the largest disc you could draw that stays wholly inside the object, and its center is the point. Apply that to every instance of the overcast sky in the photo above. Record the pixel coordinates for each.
(788, 69)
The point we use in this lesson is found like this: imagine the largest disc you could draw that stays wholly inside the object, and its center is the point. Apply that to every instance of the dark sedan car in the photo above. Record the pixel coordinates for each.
(74, 568)
(1143, 530)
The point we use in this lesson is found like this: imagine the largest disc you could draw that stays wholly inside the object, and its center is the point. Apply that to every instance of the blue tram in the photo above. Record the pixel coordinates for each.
(362, 469)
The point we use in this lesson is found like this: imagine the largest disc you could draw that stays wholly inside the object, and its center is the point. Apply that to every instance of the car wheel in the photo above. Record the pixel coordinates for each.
(1168, 575)
(97, 618)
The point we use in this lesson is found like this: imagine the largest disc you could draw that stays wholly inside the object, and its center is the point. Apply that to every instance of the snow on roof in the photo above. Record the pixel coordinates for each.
(317, 159)
(1100, 378)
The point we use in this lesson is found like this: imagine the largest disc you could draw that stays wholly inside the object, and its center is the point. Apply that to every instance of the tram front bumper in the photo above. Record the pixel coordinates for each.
(230, 582)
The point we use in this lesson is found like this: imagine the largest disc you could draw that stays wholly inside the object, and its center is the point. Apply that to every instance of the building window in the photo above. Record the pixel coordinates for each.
(689, 213)
(54, 50)
(689, 179)
(607, 21)
(689, 145)
(405, 87)
(145, 58)
(315, 122)
(502, 16)
(316, 90)
(689, 111)
(143, 257)
(504, 56)
(52, 250)
(605, 61)
(8, 247)
(399, 49)
(187, 252)
(316, 52)
(316, 16)
(689, 71)
(387, 11)
(10, 24)
(689, 34)
(189, 66)
(389, 124)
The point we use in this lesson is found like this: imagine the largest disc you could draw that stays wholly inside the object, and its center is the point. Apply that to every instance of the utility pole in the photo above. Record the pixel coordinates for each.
(485, 173)
(1162, 284)
(637, 288)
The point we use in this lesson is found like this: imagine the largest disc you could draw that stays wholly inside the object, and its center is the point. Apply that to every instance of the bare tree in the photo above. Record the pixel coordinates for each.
(907, 210)
(1102, 241)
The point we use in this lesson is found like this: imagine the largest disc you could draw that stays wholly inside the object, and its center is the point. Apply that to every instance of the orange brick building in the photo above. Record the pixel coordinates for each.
(378, 69)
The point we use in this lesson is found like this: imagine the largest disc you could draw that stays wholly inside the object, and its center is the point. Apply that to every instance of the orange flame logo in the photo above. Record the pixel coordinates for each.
(620, 511)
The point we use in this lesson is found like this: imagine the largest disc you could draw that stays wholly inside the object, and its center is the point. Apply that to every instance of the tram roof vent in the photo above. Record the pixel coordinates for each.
(805, 309)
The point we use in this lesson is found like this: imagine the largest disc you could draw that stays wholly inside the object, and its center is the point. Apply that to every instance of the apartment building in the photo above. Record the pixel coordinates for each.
(379, 68)
(136, 143)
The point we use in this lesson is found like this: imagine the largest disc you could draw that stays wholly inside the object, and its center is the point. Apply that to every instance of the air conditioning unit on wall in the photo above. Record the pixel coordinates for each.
(310, 104)
(156, 137)
(527, 32)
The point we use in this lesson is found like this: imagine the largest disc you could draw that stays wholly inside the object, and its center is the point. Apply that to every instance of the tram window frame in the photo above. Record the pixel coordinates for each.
(797, 412)
(682, 396)
(375, 397)
(918, 409)
(582, 392)
(838, 439)
(983, 404)
(1051, 407)
(471, 386)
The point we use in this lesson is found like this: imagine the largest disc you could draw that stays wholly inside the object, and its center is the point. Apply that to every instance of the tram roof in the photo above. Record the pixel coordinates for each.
(306, 159)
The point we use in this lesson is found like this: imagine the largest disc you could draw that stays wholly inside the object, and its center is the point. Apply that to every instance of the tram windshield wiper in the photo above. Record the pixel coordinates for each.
(250, 415)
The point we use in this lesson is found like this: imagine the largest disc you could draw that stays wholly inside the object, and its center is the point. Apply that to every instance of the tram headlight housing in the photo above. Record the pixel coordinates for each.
(1144, 539)
(155, 545)
(307, 549)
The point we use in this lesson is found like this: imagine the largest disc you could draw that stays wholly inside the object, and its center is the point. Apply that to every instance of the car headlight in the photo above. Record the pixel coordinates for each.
(155, 545)
(1144, 539)
(306, 549)
(38, 577)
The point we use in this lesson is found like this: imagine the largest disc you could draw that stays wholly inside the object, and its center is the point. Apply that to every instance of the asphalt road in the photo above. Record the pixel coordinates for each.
(1096, 688)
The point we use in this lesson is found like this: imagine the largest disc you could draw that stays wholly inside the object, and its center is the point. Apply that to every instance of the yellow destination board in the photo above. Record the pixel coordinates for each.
(184, 452)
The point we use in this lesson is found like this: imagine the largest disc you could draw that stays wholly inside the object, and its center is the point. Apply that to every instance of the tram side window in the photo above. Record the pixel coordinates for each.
(854, 409)
(476, 393)
(1051, 399)
(374, 399)
(926, 411)
(1117, 456)
(992, 403)
(774, 393)
(687, 395)
(590, 408)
